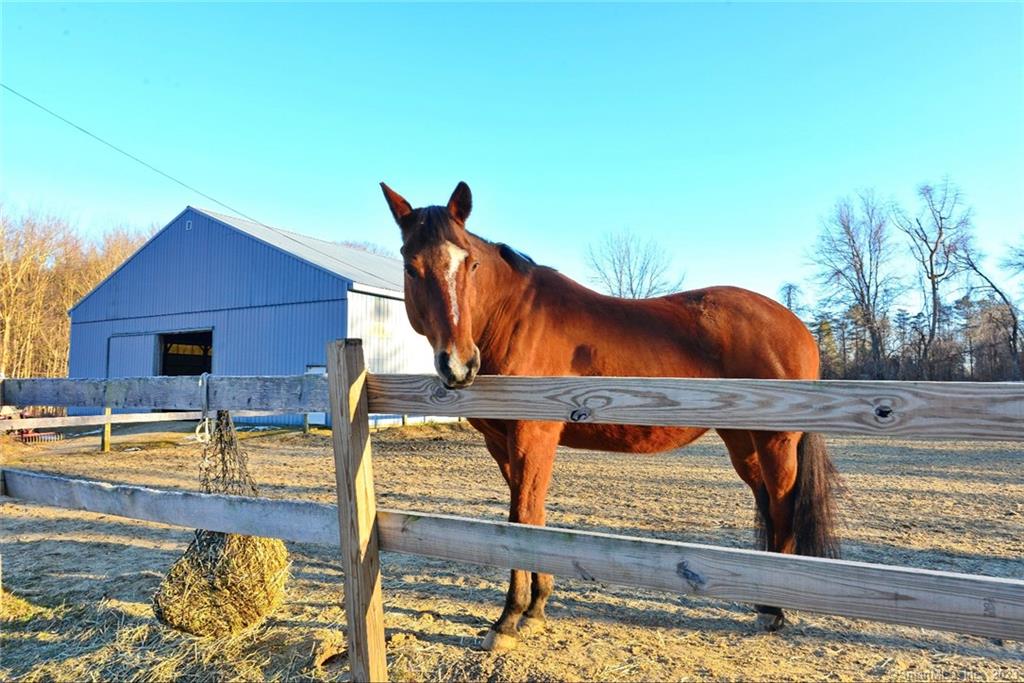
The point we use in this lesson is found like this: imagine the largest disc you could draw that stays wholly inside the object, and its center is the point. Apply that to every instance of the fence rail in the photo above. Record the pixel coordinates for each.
(972, 604)
(985, 411)
(283, 394)
(981, 605)
(114, 418)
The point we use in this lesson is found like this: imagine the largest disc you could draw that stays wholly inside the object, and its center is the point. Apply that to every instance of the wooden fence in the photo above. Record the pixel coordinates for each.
(114, 418)
(105, 421)
(979, 605)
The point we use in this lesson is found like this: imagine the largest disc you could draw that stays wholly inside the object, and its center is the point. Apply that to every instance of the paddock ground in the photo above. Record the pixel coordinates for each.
(77, 586)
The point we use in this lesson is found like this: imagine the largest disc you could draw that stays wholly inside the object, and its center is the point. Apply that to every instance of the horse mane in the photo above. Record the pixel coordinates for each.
(517, 259)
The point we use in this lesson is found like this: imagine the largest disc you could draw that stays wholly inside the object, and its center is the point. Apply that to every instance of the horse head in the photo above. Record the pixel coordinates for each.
(439, 280)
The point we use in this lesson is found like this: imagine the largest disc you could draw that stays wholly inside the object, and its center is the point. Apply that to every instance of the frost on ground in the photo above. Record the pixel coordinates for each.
(77, 586)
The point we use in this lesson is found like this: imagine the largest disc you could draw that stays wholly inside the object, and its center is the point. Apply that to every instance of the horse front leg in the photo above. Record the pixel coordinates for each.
(531, 457)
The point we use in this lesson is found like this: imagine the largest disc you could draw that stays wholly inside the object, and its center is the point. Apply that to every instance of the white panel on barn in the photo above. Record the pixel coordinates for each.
(390, 345)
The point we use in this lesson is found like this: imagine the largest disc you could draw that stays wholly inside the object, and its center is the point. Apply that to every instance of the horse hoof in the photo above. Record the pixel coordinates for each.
(532, 625)
(769, 622)
(499, 642)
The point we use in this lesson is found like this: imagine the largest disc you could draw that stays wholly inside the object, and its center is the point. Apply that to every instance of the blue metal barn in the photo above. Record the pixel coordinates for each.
(216, 293)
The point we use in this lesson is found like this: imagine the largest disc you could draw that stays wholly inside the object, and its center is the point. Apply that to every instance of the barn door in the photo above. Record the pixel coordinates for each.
(131, 356)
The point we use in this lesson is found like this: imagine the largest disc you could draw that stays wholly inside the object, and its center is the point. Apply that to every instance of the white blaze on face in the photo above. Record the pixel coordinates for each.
(456, 255)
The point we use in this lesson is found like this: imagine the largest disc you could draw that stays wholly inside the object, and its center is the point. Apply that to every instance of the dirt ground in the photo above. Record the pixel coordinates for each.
(77, 586)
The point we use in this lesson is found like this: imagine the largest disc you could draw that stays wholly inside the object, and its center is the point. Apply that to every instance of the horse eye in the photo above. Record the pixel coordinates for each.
(411, 271)
(476, 264)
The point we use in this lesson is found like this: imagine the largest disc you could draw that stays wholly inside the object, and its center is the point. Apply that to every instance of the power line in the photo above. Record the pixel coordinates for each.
(153, 168)
(125, 153)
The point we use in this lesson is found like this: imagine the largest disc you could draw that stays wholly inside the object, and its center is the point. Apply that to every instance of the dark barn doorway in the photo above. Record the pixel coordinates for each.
(186, 353)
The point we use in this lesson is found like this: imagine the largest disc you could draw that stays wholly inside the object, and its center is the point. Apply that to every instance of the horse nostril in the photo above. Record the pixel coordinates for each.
(441, 363)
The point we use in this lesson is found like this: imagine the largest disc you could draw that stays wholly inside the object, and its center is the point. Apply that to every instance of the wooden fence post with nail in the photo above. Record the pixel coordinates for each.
(357, 510)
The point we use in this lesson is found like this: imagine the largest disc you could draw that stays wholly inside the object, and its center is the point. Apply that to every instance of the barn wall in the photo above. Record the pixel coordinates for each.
(265, 340)
(390, 345)
(198, 264)
(271, 313)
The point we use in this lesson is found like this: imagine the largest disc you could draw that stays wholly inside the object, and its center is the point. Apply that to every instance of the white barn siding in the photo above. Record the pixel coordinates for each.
(390, 345)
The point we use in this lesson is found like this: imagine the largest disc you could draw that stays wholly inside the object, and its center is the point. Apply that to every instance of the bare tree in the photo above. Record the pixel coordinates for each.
(27, 248)
(1014, 259)
(853, 256)
(45, 267)
(625, 265)
(368, 247)
(789, 295)
(936, 234)
(967, 260)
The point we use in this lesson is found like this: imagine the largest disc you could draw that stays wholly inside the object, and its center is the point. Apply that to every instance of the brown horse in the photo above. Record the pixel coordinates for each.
(486, 308)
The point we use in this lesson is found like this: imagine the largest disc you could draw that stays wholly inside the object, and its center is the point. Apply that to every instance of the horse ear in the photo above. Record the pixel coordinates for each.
(461, 203)
(396, 202)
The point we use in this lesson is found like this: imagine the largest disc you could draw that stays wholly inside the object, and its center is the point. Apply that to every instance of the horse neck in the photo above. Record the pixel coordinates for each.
(502, 299)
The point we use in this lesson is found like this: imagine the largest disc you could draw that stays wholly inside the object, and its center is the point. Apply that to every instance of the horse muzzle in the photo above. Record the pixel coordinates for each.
(454, 372)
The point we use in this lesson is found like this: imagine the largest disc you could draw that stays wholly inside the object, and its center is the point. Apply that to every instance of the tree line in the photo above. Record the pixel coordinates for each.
(46, 266)
(946, 317)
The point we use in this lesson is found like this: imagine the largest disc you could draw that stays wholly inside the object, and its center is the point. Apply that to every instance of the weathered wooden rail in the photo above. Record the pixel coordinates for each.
(903, 595)
(114, 418)
(988, 411)
(971, 604)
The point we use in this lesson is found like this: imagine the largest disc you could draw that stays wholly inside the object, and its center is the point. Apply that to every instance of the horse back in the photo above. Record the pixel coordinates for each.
(711, 332)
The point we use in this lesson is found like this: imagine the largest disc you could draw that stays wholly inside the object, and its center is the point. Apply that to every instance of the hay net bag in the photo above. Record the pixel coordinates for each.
(223, 583)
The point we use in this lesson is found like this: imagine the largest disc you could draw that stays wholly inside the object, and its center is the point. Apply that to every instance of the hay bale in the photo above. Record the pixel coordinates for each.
(223, 584)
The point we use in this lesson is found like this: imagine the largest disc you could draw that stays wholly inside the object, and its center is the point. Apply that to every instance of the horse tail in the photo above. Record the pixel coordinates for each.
(814, 504)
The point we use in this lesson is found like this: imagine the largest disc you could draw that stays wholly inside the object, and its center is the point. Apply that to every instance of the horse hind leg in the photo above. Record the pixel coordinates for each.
(745, 460)
(796, 501)
(777, 455)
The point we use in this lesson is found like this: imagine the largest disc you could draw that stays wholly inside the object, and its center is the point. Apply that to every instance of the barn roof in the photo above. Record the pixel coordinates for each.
(363, 271)
(358, 266)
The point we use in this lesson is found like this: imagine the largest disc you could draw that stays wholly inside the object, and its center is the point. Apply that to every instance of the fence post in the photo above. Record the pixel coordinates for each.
(105, 439)
(357, 510)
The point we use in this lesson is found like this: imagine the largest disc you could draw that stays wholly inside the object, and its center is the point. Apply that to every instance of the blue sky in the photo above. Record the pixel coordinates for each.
(725, 132)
